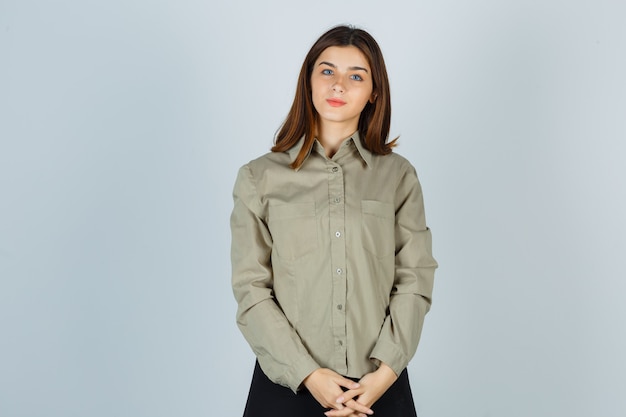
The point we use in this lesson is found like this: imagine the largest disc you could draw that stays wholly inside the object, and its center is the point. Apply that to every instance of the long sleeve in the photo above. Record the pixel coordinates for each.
(281, 353)
(411, 295)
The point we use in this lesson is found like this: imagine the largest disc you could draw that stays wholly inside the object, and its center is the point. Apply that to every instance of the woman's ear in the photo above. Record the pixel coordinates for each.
(373, 98)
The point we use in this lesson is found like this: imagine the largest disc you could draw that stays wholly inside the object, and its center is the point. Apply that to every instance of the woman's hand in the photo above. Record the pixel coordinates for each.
(325, 386)
(372, 387)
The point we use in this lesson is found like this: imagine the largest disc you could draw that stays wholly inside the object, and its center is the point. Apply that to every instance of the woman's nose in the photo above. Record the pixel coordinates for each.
(338, 87)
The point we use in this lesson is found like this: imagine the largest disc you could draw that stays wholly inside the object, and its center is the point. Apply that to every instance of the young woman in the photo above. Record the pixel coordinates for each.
(331, 256)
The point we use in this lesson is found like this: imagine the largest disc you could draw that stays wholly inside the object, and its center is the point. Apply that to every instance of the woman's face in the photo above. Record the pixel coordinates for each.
(341, 84)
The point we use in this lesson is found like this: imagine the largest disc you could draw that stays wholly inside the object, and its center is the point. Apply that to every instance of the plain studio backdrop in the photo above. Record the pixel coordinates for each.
(123, 124)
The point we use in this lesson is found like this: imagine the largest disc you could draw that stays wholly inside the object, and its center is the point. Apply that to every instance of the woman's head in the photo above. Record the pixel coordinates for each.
(375, 117)
(341, 87)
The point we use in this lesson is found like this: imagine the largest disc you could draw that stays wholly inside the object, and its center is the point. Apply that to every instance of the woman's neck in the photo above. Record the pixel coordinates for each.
(331, 136)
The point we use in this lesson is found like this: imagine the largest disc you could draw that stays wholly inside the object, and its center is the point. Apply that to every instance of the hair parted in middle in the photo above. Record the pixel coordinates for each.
(375, 118)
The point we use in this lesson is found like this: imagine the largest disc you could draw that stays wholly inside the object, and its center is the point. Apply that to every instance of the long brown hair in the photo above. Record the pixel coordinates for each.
(375, 118)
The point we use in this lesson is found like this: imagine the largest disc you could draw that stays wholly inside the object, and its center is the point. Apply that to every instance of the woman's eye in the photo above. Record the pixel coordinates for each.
(356, 77)
(327, 72)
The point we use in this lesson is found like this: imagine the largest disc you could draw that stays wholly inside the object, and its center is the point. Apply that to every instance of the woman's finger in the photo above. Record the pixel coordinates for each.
(345, 412)
(347, 383)
(358, 407)
(350, 394)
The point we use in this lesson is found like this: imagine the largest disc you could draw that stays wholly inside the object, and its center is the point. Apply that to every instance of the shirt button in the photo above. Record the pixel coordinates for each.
(335, 169)
(339, 271)
(340, 343)
(339, 307)
(337, 233)
(337, 200)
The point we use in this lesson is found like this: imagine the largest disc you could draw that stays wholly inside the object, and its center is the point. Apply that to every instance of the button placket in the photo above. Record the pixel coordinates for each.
(336, 194)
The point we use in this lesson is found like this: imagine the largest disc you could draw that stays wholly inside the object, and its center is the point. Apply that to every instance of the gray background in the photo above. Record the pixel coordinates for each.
(122, 125)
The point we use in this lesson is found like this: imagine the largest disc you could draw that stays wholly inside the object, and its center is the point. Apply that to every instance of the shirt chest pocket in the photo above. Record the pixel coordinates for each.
(293, 228)
(377, 228)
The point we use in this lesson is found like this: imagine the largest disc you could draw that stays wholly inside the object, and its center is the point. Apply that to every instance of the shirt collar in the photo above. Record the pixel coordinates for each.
(365, 154)
(356, 139)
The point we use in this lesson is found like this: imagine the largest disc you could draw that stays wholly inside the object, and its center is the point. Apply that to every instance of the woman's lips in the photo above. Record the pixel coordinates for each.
(335, 102)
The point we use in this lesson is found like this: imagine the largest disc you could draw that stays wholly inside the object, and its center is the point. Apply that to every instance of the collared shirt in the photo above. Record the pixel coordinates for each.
(331, 263)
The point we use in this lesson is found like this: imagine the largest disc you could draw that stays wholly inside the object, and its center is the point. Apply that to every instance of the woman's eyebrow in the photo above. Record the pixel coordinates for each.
(355, 68)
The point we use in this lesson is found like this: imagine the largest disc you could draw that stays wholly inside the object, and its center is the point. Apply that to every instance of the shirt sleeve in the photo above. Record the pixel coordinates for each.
(415, 266)
(279, 350)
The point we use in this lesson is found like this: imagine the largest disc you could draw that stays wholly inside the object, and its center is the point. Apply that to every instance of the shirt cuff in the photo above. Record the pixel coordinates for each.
(389, 354)
(298, 373)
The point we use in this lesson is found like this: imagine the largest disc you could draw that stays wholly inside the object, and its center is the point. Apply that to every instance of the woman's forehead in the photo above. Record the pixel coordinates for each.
(343, 56)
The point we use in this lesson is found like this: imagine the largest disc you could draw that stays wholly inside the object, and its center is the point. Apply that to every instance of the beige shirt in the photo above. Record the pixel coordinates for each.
(332, 263)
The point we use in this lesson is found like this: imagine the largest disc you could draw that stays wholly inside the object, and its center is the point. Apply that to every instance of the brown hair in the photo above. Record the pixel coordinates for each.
(375, 118)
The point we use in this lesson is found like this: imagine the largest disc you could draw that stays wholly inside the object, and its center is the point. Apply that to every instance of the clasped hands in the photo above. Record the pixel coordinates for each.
(326, 387)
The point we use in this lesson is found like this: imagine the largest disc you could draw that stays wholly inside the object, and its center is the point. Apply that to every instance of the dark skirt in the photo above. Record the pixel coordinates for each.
(267, 399)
